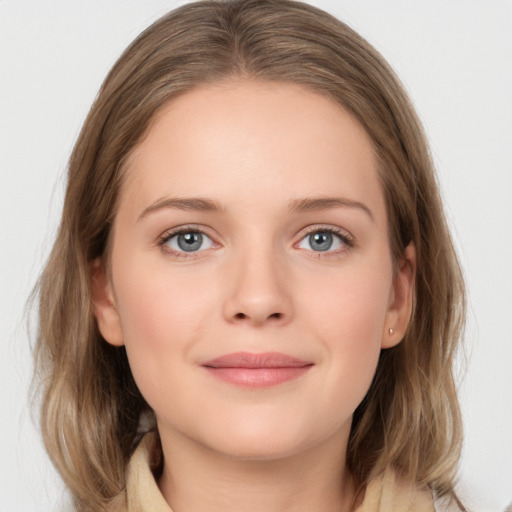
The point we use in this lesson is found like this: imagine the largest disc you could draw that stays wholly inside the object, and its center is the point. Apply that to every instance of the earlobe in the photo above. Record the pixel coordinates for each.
(107, 317)
(401, 299)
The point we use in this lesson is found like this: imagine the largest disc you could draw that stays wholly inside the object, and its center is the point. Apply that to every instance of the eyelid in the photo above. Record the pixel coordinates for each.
(346, 237)
(188, 228)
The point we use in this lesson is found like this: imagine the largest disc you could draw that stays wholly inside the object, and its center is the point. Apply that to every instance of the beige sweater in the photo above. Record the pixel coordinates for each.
(385, 494)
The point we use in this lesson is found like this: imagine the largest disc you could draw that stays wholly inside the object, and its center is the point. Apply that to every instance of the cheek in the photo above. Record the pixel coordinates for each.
(350, 305)
(161, 317)
(348, 315)
(156, 304)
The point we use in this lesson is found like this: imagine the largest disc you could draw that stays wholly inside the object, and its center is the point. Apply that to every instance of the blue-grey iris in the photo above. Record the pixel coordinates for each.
(320, 241)
(190, 241)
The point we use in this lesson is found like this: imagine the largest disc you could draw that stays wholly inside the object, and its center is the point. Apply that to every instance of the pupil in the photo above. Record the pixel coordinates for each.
(320, 241)
(190, 241)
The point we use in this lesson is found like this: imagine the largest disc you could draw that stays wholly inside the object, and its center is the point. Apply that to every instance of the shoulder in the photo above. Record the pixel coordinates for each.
(446, 504)
(142, 493)
(389, 493)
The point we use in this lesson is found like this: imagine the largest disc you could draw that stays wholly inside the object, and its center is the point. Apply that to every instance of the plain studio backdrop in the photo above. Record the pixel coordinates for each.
(455, 58)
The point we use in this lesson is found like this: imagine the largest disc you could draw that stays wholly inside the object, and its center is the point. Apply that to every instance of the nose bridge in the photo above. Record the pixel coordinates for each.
(258, 288)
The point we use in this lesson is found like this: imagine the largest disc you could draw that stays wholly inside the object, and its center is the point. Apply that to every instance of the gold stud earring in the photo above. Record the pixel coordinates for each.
(391, 331)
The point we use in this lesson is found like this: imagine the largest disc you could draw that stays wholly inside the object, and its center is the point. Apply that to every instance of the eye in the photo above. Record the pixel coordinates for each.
(187, 241)
(324, 240)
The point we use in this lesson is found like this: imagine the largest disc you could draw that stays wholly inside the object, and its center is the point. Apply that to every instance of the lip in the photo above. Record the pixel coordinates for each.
(256, 370)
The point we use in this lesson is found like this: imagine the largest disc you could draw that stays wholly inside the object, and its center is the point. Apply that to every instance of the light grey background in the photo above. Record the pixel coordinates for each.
(455, 57)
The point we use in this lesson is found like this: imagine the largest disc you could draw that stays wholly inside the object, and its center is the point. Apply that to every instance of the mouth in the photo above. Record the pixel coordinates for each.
(252, 370)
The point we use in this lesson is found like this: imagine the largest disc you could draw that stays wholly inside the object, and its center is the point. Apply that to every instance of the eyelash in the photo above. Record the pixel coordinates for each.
(168, 235)
(346, 238)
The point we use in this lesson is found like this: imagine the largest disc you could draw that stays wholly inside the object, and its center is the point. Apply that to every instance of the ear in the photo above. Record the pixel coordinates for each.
(400, 300)
(109, 322)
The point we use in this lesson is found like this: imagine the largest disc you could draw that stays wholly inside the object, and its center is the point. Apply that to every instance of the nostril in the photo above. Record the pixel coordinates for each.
(242, 316)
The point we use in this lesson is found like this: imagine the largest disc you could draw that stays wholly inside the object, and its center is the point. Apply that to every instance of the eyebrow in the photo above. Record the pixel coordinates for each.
(317, 204)
(307, 204)
(185, 203)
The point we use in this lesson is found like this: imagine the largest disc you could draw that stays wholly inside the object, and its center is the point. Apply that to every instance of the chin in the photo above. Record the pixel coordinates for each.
(266, 441)
(259, 447)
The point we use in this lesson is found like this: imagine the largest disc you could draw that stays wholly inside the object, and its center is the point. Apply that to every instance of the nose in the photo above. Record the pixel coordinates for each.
(258, 290)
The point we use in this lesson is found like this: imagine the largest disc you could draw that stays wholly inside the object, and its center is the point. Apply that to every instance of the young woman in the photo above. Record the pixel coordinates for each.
(253, 301)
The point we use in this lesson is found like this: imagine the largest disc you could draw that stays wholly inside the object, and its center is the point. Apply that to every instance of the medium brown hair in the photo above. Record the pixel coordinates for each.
(91, 407)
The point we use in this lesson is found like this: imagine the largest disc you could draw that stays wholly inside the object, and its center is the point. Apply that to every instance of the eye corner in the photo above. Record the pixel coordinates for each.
(194, 242)
(336, 240)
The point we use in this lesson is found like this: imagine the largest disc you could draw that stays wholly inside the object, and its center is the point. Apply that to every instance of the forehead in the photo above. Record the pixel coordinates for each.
(246, 140)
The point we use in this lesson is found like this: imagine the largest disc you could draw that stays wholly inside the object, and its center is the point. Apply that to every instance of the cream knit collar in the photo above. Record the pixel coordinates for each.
(384, 494)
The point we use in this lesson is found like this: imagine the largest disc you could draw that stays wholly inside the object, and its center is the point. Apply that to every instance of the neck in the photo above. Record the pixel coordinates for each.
(197, 478)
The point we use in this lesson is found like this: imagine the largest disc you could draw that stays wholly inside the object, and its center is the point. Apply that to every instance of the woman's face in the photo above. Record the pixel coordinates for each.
(251, 277)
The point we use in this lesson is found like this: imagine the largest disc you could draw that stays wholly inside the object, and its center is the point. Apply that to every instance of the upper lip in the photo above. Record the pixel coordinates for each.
(256, 360)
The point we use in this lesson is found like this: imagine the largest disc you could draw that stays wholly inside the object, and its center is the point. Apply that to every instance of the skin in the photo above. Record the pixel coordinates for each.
(257, 285)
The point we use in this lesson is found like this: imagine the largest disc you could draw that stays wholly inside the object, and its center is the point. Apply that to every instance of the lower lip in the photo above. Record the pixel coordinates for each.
(258, 377)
